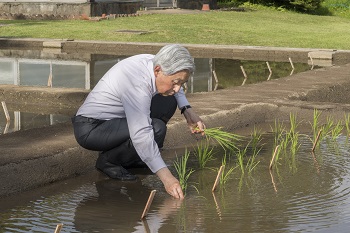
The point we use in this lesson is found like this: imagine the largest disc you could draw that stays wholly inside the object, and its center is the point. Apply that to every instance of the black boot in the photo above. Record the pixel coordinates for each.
(112, 170)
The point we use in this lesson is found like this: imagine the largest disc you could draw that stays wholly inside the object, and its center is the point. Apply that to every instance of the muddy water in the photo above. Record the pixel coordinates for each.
(303, 193)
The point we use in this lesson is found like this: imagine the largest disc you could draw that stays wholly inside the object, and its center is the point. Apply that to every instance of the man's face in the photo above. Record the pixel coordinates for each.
(169, 84)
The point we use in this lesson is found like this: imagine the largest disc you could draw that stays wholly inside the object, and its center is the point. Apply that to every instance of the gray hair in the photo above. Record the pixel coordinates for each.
(174, 58)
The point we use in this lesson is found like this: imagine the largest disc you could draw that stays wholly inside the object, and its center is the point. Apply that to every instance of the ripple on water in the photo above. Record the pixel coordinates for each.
(302, 193)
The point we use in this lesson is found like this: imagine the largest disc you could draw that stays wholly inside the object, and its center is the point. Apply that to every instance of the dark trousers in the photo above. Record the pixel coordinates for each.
(112, 138)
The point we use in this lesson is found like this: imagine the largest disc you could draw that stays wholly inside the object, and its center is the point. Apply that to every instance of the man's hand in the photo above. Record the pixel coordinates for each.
(194, 122)
(171, 184)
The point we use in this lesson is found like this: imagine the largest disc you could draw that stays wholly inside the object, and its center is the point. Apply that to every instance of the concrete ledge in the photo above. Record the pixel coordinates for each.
(33, 173)
(325, 55)
(53, 44)
(257, 53)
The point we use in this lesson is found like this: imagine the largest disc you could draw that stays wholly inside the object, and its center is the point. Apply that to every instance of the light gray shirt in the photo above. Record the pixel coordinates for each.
(126, 91)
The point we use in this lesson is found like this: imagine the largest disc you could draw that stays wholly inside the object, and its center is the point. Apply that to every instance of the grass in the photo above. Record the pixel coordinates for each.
(261, 27)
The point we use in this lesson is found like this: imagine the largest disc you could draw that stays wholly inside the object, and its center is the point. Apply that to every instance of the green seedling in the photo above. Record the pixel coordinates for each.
(225, 139)
(293, 124)
(347, 124)
(240, 157)
(327, 128)
(336, 131)
(255, 141)
(204, 154)
(278, 130)
(226, 174)
(315, 124)
(183, 172)
(294, 143)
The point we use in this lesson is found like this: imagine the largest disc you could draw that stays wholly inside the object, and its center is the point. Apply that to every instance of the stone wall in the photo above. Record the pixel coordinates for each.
(64, 10)
(196, 4)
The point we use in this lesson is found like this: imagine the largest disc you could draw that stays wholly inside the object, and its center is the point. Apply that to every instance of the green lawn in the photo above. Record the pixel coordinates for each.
(263, 27)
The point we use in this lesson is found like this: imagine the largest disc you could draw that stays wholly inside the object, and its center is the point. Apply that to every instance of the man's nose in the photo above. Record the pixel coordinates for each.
(177, 88)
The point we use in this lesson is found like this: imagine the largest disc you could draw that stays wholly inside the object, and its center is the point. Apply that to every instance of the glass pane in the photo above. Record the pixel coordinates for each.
(33, 74)
(7, 74)
(72, 76)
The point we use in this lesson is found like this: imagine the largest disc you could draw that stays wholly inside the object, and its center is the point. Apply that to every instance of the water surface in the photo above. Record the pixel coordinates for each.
(302, 193)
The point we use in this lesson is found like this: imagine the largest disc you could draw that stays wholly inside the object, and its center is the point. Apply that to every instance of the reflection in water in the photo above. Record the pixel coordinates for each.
(25, 120)
(314, 197)
(39, 68)
(211, 73)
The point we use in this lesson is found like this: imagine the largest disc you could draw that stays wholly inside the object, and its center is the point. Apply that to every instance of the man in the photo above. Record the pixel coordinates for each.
(125, 115)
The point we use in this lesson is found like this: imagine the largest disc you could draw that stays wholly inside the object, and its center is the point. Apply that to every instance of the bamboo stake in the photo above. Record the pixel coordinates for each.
(291, 63)
(317, 138)
(216, 80)
(268, 66)
(49, 81)
(245, 75)
(148, 204)
(58, 228)
(315, 162)
(7, 126)
(217, 206)
(312, 62)
(145, 225)
(218, 178)
(273, 182)
(273, 157)
(6, 111)
(215, 76)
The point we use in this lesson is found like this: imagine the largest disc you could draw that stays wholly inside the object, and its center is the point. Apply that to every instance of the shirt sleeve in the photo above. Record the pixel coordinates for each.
(181, 99)
(137, 101)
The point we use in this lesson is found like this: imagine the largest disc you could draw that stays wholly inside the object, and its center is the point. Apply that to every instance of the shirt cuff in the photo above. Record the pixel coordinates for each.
(181, 99)
(156, 164)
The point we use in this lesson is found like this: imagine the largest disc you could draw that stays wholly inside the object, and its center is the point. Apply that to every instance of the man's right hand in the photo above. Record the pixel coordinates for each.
(171, 184)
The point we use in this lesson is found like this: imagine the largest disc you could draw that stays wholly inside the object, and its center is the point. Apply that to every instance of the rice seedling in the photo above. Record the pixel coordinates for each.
(294, 143)
(293, 135)
(327, 128)
(347, 124)
(293, 124)
(240, 157)
(183, 172)
(225, 139)
(226, 174)
(336, 131)
(284, 142)
(256, 138)
(204, 154)
(278, 130)
(315, 124)
(252, 163)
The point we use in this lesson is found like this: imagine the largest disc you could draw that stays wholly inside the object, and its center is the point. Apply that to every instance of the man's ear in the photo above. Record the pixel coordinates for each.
(157, 69)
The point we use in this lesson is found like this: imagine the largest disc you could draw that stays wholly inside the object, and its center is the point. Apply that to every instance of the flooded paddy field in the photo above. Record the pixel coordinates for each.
(304, 193)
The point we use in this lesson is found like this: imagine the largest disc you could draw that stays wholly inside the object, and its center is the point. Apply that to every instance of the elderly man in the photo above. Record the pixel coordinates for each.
(125, 115)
